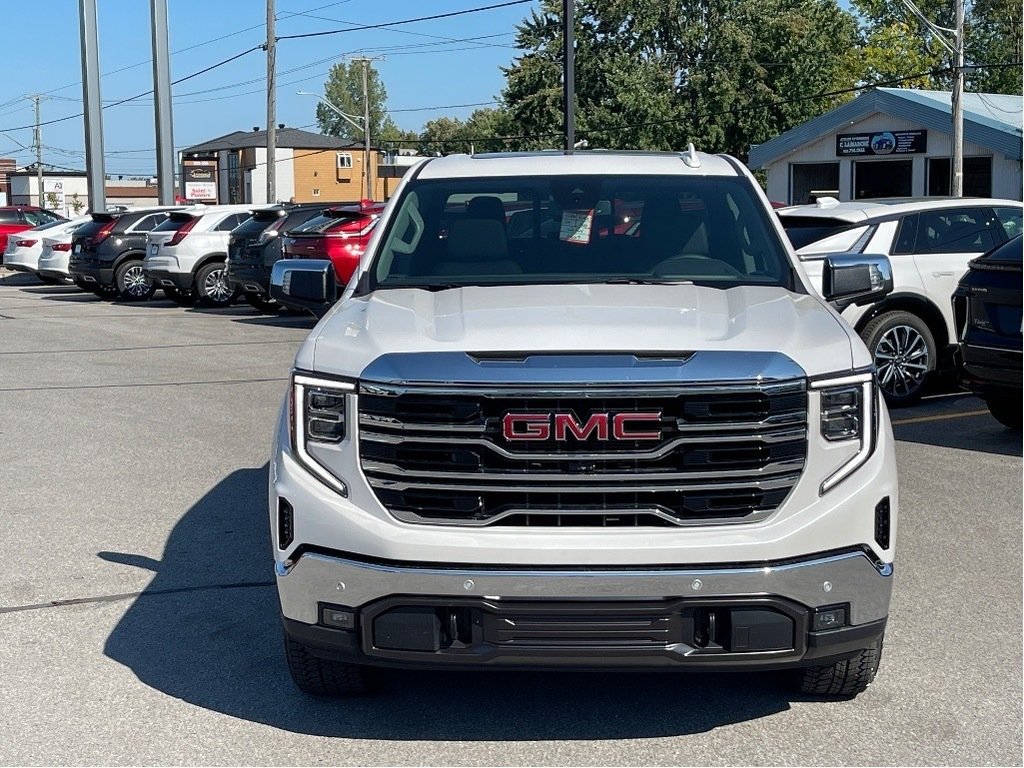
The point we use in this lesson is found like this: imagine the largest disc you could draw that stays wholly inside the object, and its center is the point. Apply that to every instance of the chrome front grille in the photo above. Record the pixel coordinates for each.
(727, 453)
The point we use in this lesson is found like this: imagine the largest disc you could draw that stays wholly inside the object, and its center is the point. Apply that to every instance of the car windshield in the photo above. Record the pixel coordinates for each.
(1009, 252)
(804, 230)
(579, 229)
(326, 221)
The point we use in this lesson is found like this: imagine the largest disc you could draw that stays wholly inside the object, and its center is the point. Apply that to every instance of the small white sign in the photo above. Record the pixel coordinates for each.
(200, 190)
(576, 226)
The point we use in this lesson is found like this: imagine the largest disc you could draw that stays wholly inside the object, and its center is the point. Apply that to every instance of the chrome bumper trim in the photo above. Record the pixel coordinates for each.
(818, 581)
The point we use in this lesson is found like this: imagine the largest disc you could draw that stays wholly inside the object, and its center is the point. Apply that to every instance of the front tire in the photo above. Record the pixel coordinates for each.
(903, 349)
(843, 679)
(323, 677)
(132, 282)
(212, 287)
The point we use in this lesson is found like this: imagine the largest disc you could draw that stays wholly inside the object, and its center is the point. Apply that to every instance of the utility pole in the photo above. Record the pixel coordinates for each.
(367, 171)
(37, 144)
(165, 166)
(957, 169)
(93, 106)
(568, 74)
(956, 49)
(271, 47)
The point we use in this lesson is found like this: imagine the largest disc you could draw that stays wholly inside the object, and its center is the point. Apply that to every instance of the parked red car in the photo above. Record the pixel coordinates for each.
(18, 218)
(339, 234)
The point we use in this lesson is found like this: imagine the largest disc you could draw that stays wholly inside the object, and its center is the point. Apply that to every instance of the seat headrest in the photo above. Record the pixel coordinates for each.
(485, 207)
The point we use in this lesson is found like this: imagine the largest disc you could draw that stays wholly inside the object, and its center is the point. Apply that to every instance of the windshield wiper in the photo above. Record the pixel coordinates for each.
(642, 281)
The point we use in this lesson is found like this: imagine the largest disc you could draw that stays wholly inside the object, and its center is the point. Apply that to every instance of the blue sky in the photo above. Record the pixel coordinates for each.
(420, 68)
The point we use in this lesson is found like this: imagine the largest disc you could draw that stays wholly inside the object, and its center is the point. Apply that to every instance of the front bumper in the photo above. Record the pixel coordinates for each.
(754, 616)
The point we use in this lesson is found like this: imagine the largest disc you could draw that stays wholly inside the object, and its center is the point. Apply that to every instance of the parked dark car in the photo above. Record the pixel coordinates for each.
(18, 218)
(987, 310)
(255, 246)
(339, 234)
(107, 253)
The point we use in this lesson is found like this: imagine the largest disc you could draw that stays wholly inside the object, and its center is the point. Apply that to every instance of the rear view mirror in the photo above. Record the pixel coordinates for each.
(304, 284)
(855, 278)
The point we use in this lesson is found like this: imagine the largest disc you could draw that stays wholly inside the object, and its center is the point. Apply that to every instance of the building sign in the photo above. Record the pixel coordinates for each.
(882, 143)
(53, 195)
(201, 181)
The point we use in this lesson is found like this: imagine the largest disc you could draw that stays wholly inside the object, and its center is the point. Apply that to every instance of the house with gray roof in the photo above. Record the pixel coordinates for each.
(310, 167)
(896, 142)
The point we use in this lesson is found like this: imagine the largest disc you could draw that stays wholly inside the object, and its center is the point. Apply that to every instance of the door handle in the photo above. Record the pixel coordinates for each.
(943, 274)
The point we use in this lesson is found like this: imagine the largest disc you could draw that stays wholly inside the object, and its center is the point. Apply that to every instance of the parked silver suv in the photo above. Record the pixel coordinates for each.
(583, 411)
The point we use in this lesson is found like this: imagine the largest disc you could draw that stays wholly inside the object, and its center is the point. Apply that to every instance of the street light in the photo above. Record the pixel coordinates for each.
(361, 125)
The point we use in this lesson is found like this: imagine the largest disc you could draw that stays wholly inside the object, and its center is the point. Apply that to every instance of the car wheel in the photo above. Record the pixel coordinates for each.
(262, 303)
(132, 282)
(212, 287)
(105, 292)
(50, 280)
(843, 679)
(904, 352)
(323, 677)
(180, 297)
(1006, 409)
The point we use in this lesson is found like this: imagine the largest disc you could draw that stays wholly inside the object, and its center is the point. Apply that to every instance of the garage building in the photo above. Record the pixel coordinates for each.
(896, 142)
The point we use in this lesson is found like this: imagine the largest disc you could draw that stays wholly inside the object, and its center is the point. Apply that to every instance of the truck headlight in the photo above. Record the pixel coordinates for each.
(318, 417)
(848, 407)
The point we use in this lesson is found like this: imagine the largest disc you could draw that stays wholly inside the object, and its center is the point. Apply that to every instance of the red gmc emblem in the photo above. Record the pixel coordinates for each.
(600, 426)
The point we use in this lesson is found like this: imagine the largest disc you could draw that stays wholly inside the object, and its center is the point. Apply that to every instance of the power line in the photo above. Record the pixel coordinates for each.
(383, 25)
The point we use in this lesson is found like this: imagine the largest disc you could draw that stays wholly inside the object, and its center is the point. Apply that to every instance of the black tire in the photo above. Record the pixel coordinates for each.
(261, 303)
(132, 282)
(50, 280)
(105, 292)
(180, 297)
(904, 353)
(323, 677)
(212, 288)
(844, 679)
(1006, 409)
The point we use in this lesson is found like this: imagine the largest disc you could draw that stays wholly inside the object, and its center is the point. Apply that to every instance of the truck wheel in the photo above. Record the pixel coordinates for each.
(844, 679)
(1006, 409)
(323, 677)
(212, 287)
(180, 297)
(264, 304)
(132, 282)
(904, 352)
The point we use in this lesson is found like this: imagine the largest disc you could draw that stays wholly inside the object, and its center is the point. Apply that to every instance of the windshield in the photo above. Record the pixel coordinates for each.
(579, 229)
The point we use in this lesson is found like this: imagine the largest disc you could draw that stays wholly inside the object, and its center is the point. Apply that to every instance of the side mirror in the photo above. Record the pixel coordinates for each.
(304, 284)
(855, 278)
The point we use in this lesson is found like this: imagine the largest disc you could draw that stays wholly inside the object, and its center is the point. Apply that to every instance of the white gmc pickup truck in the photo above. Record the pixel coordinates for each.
(583, 411)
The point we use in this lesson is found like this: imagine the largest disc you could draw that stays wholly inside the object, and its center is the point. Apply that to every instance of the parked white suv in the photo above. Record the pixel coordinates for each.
(582, 411)
(185, 255)
(25, 248)
(929, 242)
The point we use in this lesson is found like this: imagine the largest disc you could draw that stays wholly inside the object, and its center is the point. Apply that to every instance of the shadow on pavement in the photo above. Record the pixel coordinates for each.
(206, 631)
(955, 420)
(280, 321)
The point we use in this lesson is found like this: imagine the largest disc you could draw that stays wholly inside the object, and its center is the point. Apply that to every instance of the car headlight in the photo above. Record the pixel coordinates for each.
(318, 411)
(849, 409)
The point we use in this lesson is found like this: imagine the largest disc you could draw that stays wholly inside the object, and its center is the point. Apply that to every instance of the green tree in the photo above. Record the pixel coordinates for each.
(344, 89)
(657, 74)
(483, 131)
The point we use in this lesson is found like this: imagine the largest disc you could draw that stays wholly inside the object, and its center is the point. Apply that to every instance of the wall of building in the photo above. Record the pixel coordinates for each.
(318, 177)
(1006, 173)
(25, 191)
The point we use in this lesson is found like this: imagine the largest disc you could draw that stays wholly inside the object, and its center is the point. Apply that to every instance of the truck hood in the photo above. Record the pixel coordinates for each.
(582, 318)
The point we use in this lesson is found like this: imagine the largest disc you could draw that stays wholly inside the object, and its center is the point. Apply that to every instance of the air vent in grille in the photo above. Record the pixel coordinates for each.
(728, 453)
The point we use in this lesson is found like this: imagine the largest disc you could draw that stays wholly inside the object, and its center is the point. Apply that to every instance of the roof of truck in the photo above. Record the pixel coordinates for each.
(556, 162)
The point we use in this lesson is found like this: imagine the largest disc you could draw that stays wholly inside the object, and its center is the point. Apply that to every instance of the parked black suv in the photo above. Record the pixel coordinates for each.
(987, 310)
(255, 246)
(107, 253)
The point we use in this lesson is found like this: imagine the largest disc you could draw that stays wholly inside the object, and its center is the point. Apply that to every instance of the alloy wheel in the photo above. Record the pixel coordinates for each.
(136, 283)
(901, 358)
(216, 287)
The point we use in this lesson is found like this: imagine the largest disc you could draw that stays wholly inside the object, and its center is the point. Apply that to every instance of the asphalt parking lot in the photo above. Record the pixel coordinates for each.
(139, 622)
